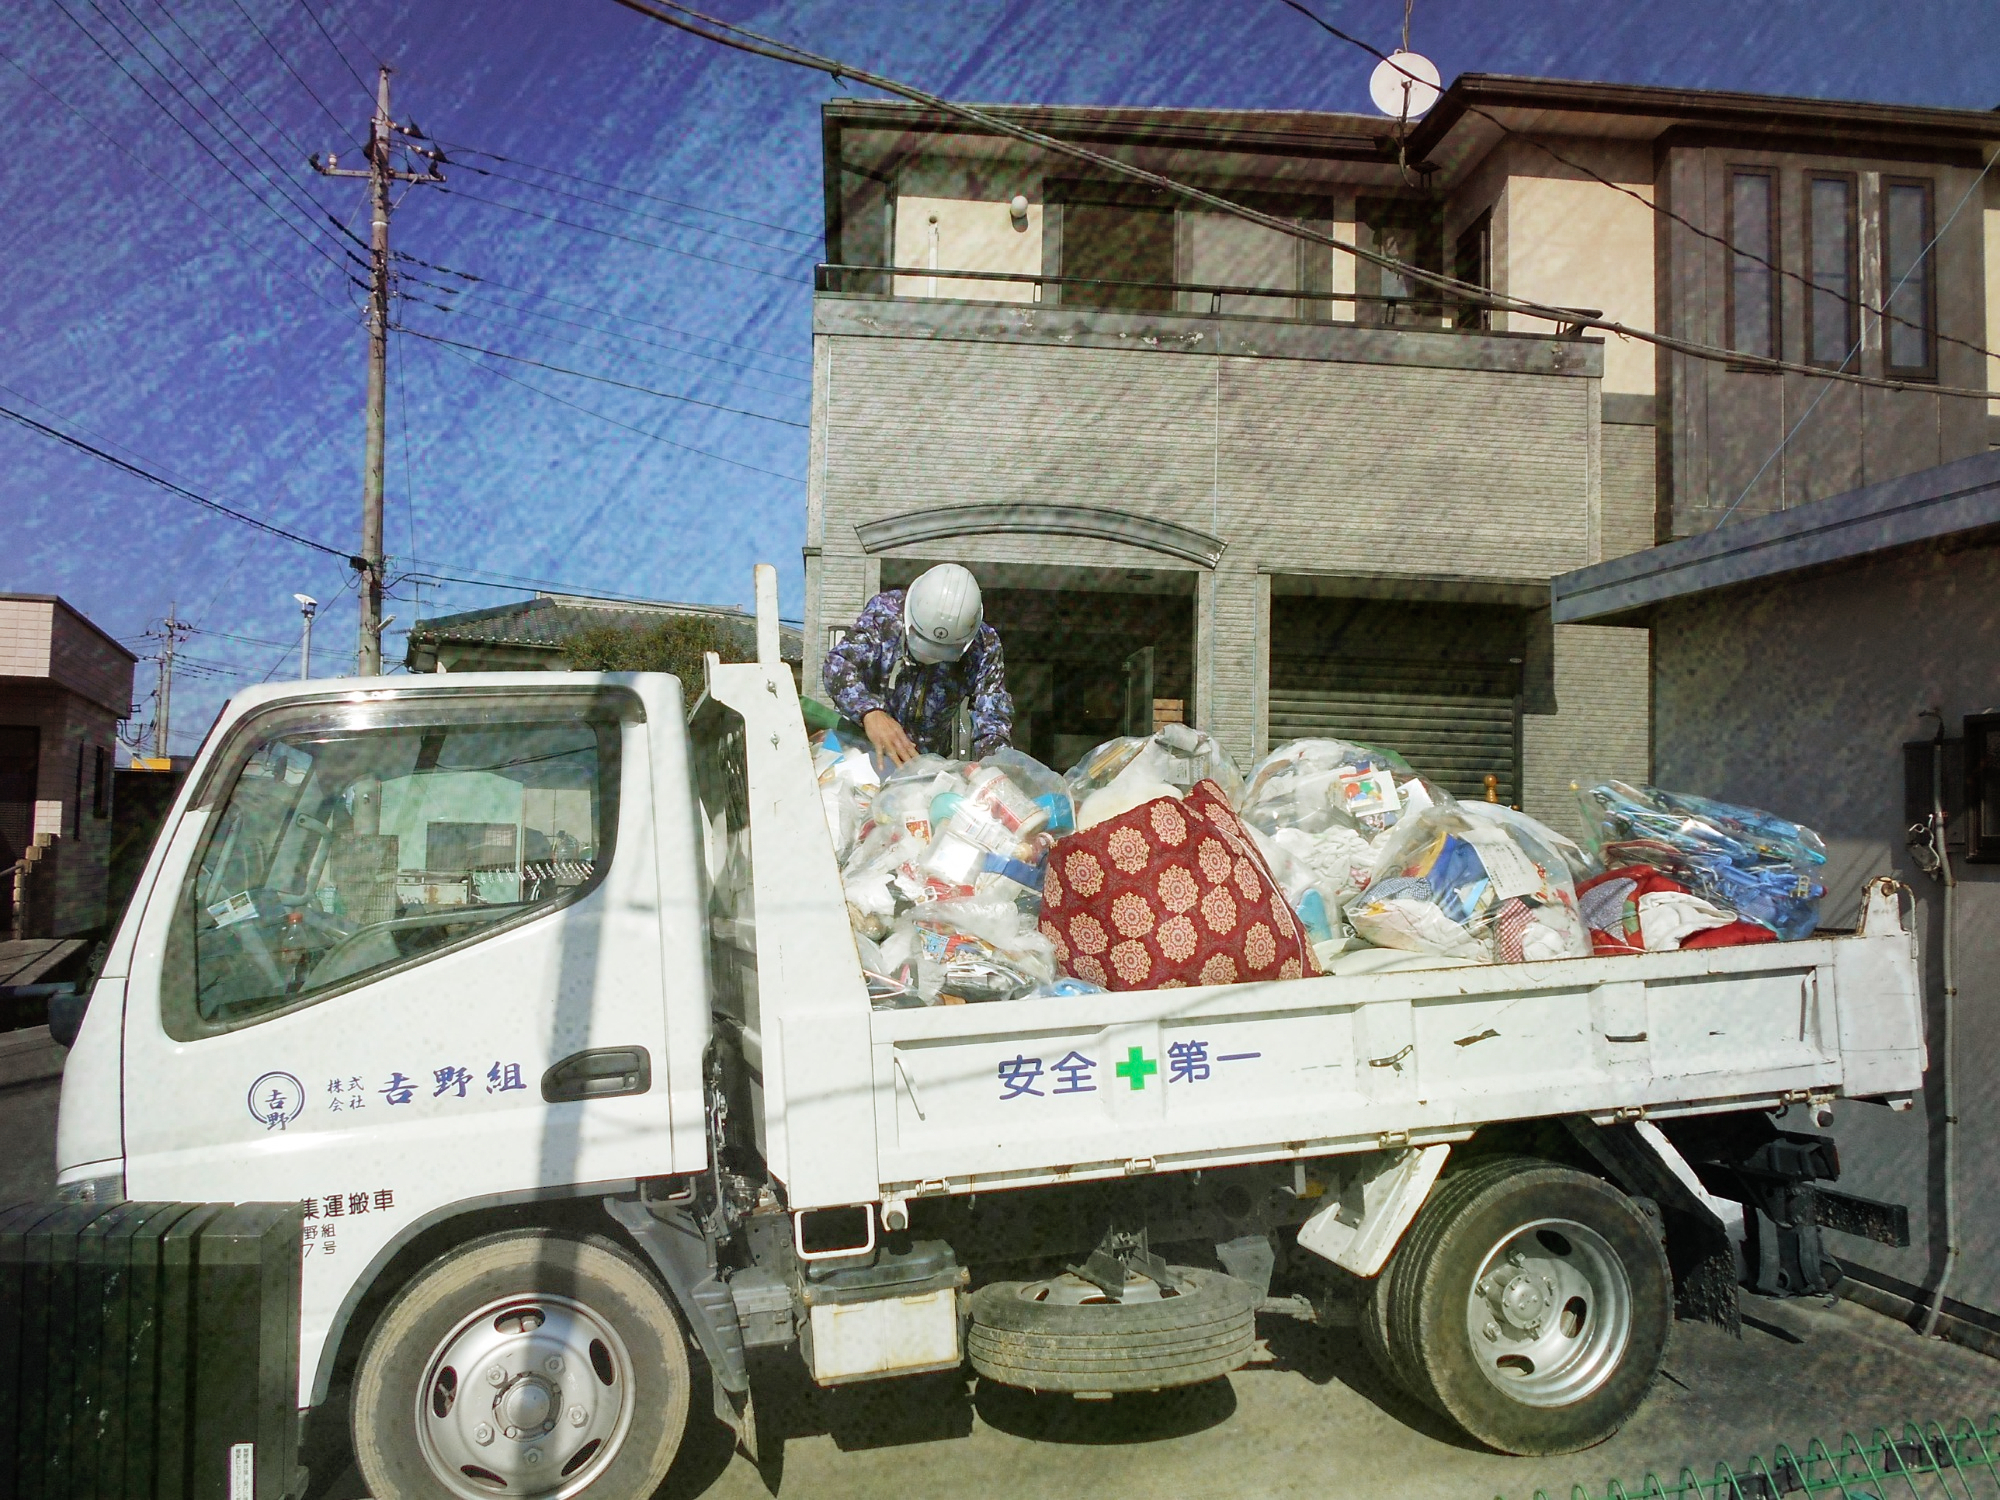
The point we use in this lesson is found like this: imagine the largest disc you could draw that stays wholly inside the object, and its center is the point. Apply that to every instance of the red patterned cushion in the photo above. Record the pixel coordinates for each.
(1170, 894)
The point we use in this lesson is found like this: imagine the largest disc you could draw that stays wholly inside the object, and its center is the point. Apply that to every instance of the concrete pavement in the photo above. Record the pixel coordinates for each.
(1317, 1421)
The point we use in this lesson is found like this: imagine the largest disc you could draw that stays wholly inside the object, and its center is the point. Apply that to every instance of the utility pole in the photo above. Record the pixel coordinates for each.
(308, 606)
(162, 720)
(381, 172)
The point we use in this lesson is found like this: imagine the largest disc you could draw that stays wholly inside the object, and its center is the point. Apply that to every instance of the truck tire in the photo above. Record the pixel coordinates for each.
(524, 1364)
(1043, 1336)
(1529, 1304)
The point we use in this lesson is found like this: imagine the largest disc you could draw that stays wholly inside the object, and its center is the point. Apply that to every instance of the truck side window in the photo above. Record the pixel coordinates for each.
(347, 840)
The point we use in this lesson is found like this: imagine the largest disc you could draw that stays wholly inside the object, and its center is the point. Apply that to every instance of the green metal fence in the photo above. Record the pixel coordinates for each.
(1926, 1462)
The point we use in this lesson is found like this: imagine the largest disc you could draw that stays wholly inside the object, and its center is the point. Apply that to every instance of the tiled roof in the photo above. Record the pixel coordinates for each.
(548, 620)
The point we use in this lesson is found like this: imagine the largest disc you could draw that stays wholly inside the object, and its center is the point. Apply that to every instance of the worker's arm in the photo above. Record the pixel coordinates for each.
(992, 706)
(856, 674)
(857, 671)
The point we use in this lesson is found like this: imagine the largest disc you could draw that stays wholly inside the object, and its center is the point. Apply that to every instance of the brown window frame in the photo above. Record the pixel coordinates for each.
(1928, 370)
(1851, 339)
(1771, 256)
(1476, 236)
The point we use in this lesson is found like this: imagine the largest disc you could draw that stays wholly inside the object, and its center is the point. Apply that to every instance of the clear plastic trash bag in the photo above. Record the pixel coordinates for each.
(1745, 860)
(1465, 885)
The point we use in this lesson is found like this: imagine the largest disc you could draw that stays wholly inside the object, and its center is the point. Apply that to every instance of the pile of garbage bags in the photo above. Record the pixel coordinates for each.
(945, 864)
(942, 864)
(1706, 866)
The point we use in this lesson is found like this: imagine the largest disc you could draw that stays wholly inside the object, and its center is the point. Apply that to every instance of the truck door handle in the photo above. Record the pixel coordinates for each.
(600, 1073)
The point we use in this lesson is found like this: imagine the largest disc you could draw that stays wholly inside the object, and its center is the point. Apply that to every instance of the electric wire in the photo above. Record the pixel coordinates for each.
(605, 312)
(463, 310)
(306, 6)
(631, 239)
(638, 213)
(728, 34)
(1595, 176)
(168, 485)
(587, 411)
(248, 97)
(624, 385)
(807, 234)
(286, 63)
(314, 245)
(283, 184)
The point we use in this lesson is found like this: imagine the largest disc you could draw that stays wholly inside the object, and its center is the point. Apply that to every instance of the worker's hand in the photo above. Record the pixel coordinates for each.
(886, 735)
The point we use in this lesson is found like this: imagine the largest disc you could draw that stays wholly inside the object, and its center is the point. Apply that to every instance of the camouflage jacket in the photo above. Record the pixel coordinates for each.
(870, 670)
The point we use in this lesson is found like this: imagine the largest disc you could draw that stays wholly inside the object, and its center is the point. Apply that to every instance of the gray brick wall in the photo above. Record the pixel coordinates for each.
(1600, 728)
(1301, 465)
(1629, 495)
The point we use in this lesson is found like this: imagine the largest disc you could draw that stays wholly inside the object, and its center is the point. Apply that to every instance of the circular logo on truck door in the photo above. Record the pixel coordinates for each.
(276, 1099)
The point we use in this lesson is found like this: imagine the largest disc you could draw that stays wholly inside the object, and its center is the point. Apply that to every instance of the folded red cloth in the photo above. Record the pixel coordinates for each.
(1610, 905)
(1171, 893)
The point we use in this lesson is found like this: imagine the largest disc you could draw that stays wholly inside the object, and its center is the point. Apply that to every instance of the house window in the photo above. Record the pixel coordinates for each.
(1753, 303)
(1832, 330)
(1472, 261)
(1409, 231)
(1119, 242)
(1909, 290)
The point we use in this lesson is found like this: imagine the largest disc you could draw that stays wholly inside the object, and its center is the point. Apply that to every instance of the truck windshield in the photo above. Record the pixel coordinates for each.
(347, 839)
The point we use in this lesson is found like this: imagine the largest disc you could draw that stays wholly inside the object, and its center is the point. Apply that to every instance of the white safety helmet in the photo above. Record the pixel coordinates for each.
(942, 612)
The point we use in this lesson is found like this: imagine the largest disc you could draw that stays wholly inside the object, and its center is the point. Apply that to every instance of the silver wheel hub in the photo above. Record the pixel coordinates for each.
(1549, 1314)
(529, 1396)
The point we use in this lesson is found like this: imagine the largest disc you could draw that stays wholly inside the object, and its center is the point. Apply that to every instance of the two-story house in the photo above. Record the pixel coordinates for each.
(1211, 471)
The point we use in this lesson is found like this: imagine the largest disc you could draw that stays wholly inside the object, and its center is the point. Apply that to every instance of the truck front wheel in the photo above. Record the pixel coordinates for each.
(1529, 1303)
(523, 1365)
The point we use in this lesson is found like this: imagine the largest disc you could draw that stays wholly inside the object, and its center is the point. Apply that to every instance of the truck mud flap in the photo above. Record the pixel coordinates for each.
(679, 1252)
(150, 1349)
(1698, 1247)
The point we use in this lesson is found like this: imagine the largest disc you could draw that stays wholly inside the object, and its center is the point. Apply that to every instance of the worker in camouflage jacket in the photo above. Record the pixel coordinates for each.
(922, 672)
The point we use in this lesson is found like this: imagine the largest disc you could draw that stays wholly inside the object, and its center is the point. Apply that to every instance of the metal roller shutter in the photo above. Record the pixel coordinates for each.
(1457, 723)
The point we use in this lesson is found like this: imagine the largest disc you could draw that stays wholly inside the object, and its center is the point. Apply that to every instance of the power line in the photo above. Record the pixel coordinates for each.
(282, 184)
(167, 484)
(605, 312)
(807, 234)
(587, 411)
(206, 149)
(1619, 187)
(741, 39)
(305, 6)
(625, 385)
(463, 311)
(210, 58)
(639, 213)
(286, 62)
(630, 239)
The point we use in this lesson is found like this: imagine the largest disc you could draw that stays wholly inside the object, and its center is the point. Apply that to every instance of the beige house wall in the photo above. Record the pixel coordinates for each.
(1573, 242)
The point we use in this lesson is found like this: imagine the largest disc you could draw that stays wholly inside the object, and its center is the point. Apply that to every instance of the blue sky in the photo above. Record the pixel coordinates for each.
(157, 308)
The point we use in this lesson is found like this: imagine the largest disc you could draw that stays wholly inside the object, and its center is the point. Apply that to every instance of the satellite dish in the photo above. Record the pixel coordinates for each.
(1404, 86)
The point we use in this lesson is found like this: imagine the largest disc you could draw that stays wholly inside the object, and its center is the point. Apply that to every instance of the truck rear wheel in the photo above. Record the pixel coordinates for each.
(1529, 1303)
(523, 1365)
(1064, 1334)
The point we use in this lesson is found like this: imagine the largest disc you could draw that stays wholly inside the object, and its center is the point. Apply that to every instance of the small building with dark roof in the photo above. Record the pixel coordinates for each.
(532, 635)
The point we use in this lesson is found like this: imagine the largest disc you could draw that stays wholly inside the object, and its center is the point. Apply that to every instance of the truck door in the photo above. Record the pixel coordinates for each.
(405, 952)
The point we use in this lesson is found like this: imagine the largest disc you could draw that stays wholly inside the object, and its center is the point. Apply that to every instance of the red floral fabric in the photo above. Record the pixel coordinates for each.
(1172, 893)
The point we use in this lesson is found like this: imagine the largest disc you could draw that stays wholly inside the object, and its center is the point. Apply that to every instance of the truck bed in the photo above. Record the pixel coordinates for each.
(861, 1105)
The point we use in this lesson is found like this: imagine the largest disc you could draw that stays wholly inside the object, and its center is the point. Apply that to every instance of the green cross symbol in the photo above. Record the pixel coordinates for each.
(1136, 1067)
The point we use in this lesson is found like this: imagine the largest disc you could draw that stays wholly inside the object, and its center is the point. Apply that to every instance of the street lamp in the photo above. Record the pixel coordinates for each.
(308, 607)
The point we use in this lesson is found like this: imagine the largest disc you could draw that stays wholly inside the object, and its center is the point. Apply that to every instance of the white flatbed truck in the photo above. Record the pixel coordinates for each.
(538, 992)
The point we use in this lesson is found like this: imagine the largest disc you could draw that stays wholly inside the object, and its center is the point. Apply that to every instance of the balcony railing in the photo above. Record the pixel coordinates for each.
(879, 281)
